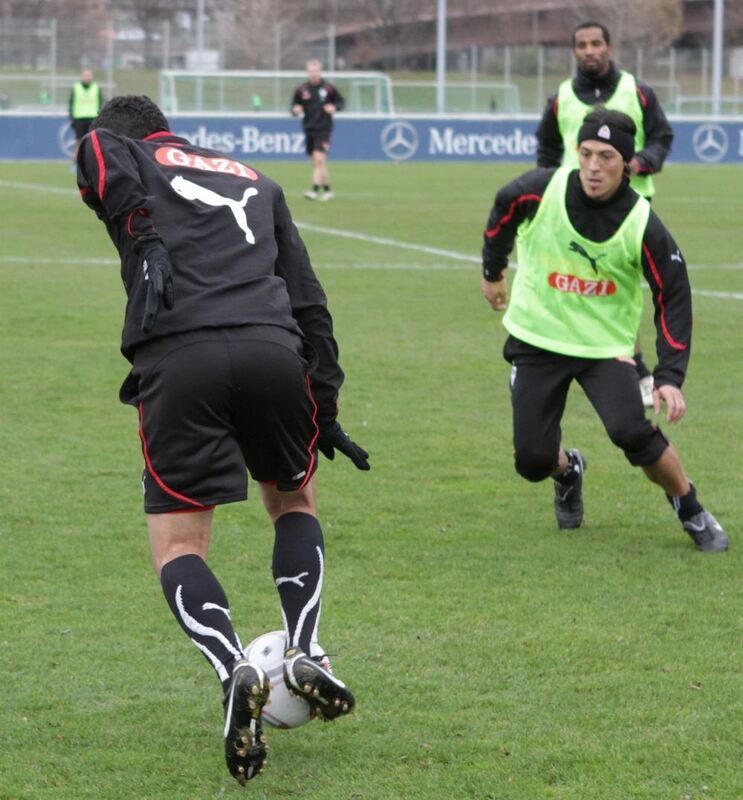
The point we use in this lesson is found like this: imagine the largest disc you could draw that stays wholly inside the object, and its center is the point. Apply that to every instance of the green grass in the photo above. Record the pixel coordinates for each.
(493, 658)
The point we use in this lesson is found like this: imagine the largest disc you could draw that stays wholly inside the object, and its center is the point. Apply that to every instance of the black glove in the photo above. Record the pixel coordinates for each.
(159, 280)
(335, 438)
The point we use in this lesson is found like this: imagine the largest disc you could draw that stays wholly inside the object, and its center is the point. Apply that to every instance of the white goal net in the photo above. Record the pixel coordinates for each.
(234, 91)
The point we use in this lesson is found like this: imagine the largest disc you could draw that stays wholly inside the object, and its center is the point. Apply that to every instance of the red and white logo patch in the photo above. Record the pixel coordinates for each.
(175, 157)
(585, 288)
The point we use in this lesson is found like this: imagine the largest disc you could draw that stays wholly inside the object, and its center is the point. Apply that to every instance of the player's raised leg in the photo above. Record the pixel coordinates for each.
(706, 532)
(179, 544)
(298, 570)
(612, 389)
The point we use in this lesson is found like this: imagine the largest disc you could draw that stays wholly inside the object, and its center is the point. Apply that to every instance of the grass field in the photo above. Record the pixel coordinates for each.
(493, 657)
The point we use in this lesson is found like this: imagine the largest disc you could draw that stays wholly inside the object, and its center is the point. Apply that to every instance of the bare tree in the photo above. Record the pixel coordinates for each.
(261, 34)
(655, 23)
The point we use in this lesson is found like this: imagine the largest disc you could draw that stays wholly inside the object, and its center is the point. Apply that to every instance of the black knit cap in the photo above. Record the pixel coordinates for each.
(604, 130)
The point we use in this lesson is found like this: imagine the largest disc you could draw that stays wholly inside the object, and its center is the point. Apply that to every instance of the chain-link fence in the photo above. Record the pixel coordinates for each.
(41, 58)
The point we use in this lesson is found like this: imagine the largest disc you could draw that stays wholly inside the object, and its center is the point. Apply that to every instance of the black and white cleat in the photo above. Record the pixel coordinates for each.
(306, 677)
(244, 742)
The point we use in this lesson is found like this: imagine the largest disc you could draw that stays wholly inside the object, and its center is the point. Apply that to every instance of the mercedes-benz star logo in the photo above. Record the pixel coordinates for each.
(66, 140)
(710, 142)
(399, 141)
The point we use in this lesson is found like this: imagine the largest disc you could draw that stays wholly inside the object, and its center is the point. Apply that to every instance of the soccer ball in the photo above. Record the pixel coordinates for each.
(283, 709)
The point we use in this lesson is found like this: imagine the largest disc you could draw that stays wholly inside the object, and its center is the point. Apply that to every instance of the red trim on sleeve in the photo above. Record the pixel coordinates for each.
(643, 99)
(158, 480)
(523, 198)
(101, 163)
(140, 212)
(666, 333)
(554, 107)
(311, 448)
(157, 135)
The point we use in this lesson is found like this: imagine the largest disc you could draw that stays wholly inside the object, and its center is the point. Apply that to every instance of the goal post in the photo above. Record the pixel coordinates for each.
(235, 91)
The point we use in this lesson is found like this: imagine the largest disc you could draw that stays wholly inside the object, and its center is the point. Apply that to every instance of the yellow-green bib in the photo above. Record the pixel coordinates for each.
(85, 101)
(571, 112)
(572, 295)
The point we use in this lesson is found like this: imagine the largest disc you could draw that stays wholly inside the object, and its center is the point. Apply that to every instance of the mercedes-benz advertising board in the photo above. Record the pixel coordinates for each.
(49, 136)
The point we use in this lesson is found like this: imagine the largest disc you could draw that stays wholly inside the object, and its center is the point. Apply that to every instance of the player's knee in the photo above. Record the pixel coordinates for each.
(627, 438)
(534, 464)
(279, 503)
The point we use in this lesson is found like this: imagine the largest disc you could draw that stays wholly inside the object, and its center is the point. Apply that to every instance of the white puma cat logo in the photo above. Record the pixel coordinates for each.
(296, 579)
(193, 191)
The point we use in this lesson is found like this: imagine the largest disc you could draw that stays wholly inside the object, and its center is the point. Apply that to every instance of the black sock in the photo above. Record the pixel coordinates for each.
(199, 604)
(326, 187)
(640, 366)
(315, 187)
(298, 562)
(572, 472)
(687, 506)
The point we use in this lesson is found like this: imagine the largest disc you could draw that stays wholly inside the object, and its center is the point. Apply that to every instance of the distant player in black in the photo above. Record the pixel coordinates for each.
(234, 365)
(318, 101)
(598, 81)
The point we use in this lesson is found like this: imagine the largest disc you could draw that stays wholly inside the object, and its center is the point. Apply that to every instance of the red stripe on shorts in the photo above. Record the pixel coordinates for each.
(158, 480)
(311, 448)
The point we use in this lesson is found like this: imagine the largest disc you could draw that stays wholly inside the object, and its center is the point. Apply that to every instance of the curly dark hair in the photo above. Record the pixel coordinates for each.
(131, 115)
(591, 24)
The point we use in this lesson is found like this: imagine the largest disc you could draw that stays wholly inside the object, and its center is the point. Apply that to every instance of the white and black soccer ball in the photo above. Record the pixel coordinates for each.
(283, 709)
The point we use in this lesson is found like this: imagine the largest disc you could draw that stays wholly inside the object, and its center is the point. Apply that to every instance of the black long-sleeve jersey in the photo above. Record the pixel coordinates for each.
(594, 90)
(312, 97)
(663, 265)
(237, 258)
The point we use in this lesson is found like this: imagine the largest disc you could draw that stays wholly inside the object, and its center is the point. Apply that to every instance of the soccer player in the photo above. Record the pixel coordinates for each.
(234, 365)
(585, 241)
(317, 100)
(599, 81)
(86, 101)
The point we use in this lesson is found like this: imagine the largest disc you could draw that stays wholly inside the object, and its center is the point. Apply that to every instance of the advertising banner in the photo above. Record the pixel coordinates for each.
(397, 139)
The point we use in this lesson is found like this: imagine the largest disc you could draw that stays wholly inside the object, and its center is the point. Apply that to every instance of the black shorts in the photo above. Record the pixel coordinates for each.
(317, 141)
(540, 381)
(213, 402)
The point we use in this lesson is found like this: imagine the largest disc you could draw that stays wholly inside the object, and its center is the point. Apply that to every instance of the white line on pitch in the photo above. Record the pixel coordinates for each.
(724, 295)
(330, 265)
(363, 237)
(379, 240)
(37, 187)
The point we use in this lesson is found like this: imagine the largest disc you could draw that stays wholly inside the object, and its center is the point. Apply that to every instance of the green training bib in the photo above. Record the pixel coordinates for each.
(85, 101)
(572, 295)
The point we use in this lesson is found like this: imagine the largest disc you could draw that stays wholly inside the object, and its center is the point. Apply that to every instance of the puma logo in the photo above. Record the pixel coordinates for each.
(215, 607)
(580, 250)
(296, 579)
(193, 191)
(677, 257)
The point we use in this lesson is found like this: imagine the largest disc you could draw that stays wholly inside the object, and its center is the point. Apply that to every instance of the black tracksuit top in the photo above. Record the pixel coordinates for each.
(593, 90)
(237, 258)
(663, 265)
(312, 97)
